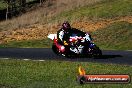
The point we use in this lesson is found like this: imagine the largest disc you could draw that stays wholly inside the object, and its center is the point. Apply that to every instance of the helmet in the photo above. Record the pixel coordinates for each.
(66, 25)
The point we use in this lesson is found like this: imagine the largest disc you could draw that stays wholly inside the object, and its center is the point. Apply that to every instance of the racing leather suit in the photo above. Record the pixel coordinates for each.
(64, 35)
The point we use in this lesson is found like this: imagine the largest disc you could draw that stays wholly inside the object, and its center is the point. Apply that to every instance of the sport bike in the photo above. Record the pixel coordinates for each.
(77, 45)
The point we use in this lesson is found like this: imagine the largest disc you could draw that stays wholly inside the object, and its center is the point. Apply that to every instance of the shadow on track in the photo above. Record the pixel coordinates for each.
(108, 56)
(97, 57)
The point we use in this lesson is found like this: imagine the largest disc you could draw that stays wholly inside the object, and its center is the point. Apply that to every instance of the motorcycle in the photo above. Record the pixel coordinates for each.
(77, 45)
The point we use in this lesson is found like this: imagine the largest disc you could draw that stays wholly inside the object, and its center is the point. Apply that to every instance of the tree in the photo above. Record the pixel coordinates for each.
(7, 8)
(22, 3)
(10, 7)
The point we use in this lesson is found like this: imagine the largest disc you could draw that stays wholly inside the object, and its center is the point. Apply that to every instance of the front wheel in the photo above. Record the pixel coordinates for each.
(96, 52)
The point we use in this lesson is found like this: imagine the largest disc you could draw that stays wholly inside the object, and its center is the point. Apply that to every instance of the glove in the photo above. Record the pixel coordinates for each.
(65, 43)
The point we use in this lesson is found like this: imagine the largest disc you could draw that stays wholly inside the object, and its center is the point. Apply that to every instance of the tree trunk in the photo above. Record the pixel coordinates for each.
(7, 11)
(40, 2)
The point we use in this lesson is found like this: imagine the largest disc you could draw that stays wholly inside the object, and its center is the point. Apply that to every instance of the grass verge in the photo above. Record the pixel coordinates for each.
(116, 36)
(55, 74)
(45, 43)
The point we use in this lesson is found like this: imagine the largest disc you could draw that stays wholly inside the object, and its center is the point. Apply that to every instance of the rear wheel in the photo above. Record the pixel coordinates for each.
(55, 49)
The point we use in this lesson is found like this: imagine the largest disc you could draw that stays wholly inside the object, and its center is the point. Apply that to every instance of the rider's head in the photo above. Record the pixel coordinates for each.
(66, 25)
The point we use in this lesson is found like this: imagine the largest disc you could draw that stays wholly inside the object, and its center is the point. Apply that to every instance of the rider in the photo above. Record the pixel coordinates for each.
(64, 33)
(66, 30)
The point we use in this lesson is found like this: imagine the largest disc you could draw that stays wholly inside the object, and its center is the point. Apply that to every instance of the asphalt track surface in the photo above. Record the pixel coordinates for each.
(109, 56)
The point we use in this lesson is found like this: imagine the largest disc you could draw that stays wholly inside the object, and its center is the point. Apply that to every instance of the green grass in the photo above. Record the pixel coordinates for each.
(116, 36)
(104, 9)
(55, 74)
(44, 43)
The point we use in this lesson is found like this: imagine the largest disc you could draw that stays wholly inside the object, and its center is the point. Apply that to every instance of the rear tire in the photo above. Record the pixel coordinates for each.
(55, 49)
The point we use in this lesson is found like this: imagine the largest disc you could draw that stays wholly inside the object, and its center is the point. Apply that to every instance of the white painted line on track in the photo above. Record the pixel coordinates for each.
(38, 60)
(128, 50)
(5, 58)
(41, 60)
(26, 59)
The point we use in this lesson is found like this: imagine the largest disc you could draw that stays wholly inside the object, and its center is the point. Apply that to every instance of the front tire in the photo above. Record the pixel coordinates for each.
(96, 52)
